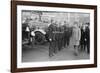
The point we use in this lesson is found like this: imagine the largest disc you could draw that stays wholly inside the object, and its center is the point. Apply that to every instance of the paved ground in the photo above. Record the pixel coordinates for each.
(41, 53)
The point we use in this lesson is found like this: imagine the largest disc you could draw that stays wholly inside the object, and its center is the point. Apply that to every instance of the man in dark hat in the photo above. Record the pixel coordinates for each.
(88, 38)
(85, 38)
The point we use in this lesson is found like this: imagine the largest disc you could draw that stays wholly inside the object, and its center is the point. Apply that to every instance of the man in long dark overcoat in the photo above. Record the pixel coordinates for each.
(88, 38)
(85, 38)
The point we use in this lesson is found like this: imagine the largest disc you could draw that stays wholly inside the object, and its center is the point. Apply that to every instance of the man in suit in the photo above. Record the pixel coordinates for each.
(85, 38)
(88, 38)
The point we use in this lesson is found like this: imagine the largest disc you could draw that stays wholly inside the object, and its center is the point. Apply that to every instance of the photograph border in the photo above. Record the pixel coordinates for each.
(46, 4)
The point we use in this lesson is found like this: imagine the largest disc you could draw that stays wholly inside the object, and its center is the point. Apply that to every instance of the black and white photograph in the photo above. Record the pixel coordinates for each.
(55, 36)
(52, 36)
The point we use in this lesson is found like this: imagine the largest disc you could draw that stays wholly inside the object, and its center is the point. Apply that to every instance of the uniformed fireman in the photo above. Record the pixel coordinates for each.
(51, 36)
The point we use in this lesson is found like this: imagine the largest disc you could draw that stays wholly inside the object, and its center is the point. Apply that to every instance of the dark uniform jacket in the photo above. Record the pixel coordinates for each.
(51, 30)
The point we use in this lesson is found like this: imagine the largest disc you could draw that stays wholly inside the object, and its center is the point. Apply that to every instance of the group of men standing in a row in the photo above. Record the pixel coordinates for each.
(59, 37)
